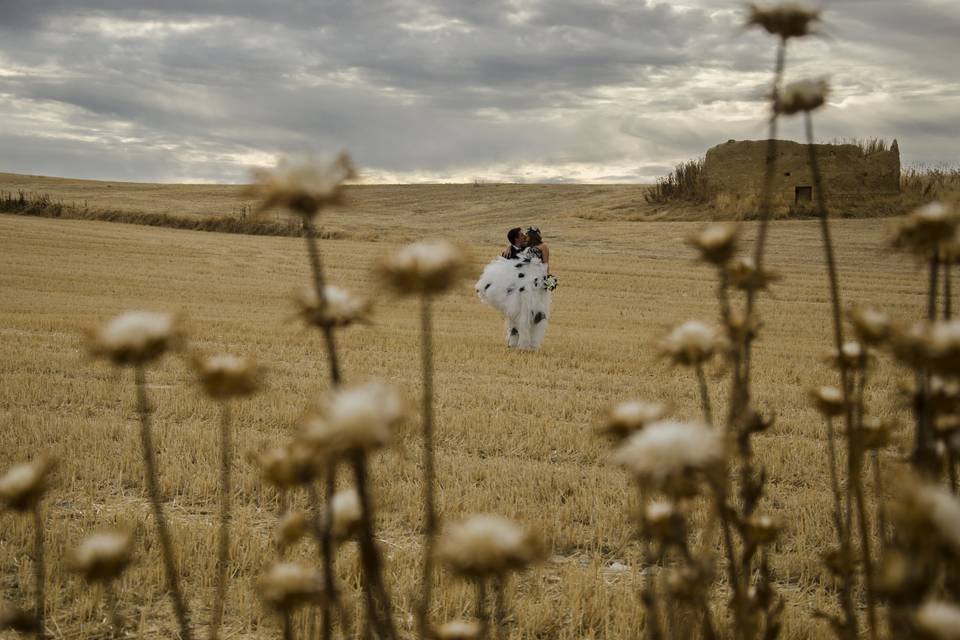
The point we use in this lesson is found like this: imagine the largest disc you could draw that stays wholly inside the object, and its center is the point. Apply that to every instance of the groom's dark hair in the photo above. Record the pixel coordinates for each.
(513, 233)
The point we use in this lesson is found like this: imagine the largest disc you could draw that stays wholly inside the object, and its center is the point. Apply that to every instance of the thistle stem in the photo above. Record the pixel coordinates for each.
(704, 394)
(39, 572)
(480, 610)
(854, 454)
(116, 622)
(223, 542)
(766, 206)
(947, 289)
(499, 605)
(316, 267)
(378, 600)
(429, 470)
(153, 488)
(328, 554)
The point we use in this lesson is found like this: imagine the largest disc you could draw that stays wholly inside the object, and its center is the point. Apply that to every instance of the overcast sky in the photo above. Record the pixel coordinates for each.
(434, 90)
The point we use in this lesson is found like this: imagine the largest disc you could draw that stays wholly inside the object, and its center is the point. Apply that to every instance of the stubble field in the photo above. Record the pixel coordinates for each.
(514, 429)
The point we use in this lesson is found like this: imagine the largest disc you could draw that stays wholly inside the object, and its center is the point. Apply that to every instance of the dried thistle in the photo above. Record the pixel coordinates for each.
(291, 528)
(340, 309)
(304, 186)
(459, 630)
(874, 433)
(353, 419)
(488, 545)
(691, 343)
(829, 401)
(801, 96)
(134, 337)
(940, 620)
(347, 514)
(927, 228)
(14, 618)
(426, 267)
(662, 521)
(624, 418)
(787, 20)
(664, 450)
(23, 485)
(910, 344)
(871, 326)
(761, 529)
(852, 357)
(286, 586)
(744, 275)
(102, 557)
(716, 242)
(226, 376)
(287, 466)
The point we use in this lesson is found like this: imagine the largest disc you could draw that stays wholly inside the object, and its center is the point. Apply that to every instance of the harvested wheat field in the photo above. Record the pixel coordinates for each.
(514, 431)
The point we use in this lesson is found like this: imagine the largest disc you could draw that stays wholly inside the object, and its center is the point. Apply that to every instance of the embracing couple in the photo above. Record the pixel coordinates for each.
(518, 284)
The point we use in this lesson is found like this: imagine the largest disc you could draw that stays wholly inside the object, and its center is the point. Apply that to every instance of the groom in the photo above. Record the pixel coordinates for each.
(518, 240)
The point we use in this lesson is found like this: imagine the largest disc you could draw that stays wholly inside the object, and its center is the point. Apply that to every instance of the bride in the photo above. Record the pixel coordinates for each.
(520, 288)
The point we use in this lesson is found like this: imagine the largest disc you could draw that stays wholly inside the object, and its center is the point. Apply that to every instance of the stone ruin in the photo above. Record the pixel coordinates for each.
(734, 171)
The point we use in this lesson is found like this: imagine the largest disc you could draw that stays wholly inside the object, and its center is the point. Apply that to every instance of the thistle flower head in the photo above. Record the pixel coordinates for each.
(829, 401)
(664, 450)
(941, 510)
(353, 419)
(943, 347)
(716, 242)
(910, 344)
(940, 620)
(103, 556)
(743, 274)
(346, 514)
(787, 20)
(459, 630)
(486, 545)
(340, 309)
(134, 337)
(23, 485)
(285, 586)
(852, 356)
(226, 376)
(291, 528)
(662, 521)
(425, 267)
(624, 418)
(14, 618)
(761, 529)
(930, 227)
(875, 433)
(287, 466)
(691, 343)
(801, 96)
(303, 186)
(871, 326)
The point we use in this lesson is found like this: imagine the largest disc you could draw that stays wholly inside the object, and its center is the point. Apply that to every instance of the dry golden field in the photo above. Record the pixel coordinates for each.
(514, 429)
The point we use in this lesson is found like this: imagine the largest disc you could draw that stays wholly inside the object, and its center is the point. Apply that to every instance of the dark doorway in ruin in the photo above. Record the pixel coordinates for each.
(803, 194)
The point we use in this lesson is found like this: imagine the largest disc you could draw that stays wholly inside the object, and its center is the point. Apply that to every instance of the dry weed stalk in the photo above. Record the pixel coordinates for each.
(136, 339)
(425, 269)
(101, 559)
(225, 377)
(745, 535)
(22, 489)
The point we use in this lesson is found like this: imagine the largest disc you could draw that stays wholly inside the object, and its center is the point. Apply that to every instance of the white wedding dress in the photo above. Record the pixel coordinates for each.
(514, 287)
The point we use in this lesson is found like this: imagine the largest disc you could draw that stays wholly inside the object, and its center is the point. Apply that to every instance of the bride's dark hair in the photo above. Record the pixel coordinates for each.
(533, 237)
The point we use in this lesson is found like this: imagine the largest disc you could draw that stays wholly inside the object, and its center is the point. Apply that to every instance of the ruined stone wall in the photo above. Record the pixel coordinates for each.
(737, 169)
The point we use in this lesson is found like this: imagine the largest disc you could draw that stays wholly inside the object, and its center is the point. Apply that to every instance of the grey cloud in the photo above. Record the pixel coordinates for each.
(445, 89)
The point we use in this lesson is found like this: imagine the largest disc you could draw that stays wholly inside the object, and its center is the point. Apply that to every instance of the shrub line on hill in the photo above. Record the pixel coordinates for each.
(43, 206)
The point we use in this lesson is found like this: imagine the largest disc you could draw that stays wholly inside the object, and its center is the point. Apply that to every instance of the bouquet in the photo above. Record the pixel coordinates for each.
(550, 282)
